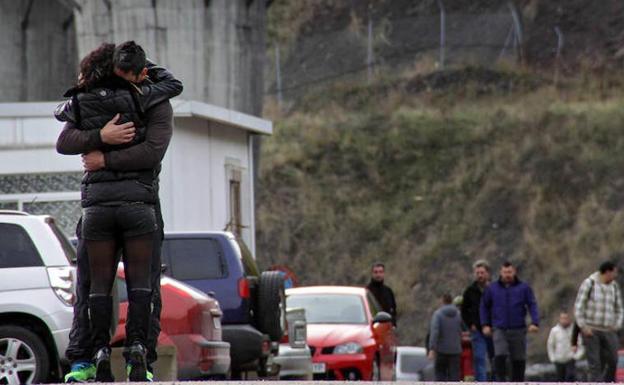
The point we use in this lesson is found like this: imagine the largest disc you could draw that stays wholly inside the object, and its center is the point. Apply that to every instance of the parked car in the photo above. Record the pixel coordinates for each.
(410, 362)
(190, 320)
(294, 358)
(37, 290)
(253, 303)
(350, 338)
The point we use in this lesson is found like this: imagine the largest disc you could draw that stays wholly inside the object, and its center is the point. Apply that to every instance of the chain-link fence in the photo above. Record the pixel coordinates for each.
(373, 46)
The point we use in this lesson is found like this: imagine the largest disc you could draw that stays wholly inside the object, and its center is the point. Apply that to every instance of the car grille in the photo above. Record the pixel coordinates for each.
(325, 350)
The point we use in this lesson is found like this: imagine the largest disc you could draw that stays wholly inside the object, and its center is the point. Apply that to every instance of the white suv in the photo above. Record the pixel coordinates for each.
(37, 289)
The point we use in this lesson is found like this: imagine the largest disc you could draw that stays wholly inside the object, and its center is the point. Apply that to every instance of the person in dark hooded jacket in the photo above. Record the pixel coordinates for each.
(445, 334)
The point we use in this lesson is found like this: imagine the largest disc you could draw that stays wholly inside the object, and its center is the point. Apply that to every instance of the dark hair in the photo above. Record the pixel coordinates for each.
(129, 57)
(447, 298)
(607, 266)
(97, 65)
(378, 264)
(507, 264)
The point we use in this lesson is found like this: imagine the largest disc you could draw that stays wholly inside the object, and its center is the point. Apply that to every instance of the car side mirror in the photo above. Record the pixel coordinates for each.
(382, 317)
(164, 267)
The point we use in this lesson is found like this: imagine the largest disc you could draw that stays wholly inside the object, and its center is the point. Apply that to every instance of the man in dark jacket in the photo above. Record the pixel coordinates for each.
(470, 315)
(503, 311)
(445, 341)
(383, 294)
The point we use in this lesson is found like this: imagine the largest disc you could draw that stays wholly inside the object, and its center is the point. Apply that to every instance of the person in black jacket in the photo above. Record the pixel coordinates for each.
(381, 292)
(481, 345)
(118, 206)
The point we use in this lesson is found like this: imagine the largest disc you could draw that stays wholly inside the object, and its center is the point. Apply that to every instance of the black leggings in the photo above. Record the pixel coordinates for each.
(137, 258)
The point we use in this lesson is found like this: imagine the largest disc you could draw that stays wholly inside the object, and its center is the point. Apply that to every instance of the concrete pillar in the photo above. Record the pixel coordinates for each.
(38, 46)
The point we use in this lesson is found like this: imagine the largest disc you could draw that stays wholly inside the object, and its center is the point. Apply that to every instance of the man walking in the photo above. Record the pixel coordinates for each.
(470, 315)
(503, 312)
(445, 341)
(599, 315)
(383, 294)
(560, 349)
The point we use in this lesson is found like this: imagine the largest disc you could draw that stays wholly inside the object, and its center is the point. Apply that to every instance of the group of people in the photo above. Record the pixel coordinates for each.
(494, 314)
(118, 116)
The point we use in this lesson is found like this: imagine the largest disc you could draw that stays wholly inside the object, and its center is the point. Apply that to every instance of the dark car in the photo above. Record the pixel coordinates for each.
(253, 303)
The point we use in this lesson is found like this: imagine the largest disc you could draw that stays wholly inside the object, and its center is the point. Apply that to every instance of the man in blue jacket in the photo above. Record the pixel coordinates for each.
(503, 312)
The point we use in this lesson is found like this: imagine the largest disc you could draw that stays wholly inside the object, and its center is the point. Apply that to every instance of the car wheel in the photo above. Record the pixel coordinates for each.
(271, 305)
(23, 356)
(376, 375)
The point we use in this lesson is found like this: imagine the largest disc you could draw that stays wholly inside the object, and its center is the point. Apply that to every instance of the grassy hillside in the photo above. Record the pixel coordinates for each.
(428, 173)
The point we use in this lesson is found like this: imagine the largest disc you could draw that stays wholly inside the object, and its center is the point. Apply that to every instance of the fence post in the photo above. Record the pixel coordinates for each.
(278, 75)
(518, 41)
(369, 51)
(560, 43)
(442, 33)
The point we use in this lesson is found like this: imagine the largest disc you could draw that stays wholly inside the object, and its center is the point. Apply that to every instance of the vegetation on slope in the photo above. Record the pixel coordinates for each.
(428, 175)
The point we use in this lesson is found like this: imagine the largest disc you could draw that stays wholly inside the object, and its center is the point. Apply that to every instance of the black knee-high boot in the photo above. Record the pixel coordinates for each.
(100, 310)
(139, 312)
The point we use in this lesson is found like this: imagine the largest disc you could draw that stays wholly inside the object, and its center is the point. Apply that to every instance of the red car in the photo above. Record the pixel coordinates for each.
(350, 338)
(190, 320)
(619, 372)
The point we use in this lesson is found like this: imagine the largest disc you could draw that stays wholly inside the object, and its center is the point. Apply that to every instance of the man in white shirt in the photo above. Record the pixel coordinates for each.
(560, 349)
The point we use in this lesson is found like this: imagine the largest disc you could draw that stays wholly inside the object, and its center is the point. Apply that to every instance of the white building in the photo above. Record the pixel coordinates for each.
(206, 182)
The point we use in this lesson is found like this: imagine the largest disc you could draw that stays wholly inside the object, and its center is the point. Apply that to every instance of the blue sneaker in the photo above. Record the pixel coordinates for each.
(81, 371)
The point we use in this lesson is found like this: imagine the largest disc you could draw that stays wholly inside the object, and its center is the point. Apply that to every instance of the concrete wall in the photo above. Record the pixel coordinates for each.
(38, 50)
(194, 186)
(215, 46)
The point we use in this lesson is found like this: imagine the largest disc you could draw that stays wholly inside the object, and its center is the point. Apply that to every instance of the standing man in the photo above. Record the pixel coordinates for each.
(445, 335)
(599, 315)
(383, 294)
(470, 315)
(560, 349)
(503, 312)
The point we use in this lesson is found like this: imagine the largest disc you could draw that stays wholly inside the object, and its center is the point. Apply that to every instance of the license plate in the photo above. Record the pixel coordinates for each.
(217, 322)
(318, 367)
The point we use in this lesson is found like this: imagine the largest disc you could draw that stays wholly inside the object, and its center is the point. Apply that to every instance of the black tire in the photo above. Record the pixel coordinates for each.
(25, 347)
(271, 305)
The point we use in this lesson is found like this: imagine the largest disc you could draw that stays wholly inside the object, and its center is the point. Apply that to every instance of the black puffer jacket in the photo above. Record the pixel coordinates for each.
(92, 109)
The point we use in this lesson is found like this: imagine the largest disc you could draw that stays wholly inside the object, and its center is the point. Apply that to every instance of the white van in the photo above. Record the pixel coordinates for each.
(37, 291)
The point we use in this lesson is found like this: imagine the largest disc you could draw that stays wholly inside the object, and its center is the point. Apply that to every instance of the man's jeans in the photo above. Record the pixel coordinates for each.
(602, 356)
(479, 355)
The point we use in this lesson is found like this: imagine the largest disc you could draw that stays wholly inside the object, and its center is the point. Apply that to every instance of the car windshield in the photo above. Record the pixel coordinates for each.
(412, 363)
(330, 308)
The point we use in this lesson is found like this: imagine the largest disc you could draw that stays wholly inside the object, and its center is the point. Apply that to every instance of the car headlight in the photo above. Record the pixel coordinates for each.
(348, 348)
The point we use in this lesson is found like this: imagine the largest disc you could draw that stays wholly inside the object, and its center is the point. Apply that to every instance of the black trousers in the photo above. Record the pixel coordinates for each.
(566, 371)
(447, 367)
(80, 345)
(601, 349)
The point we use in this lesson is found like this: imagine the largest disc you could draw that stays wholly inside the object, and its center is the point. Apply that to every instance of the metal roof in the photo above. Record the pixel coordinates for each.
(181, 109)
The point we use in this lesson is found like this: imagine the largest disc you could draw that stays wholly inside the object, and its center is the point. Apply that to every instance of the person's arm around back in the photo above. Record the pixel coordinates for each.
(73, 141)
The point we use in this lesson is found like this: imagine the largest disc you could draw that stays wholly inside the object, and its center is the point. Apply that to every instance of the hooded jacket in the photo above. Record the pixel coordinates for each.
(91, 109)
(445, 331)
(506, 307)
